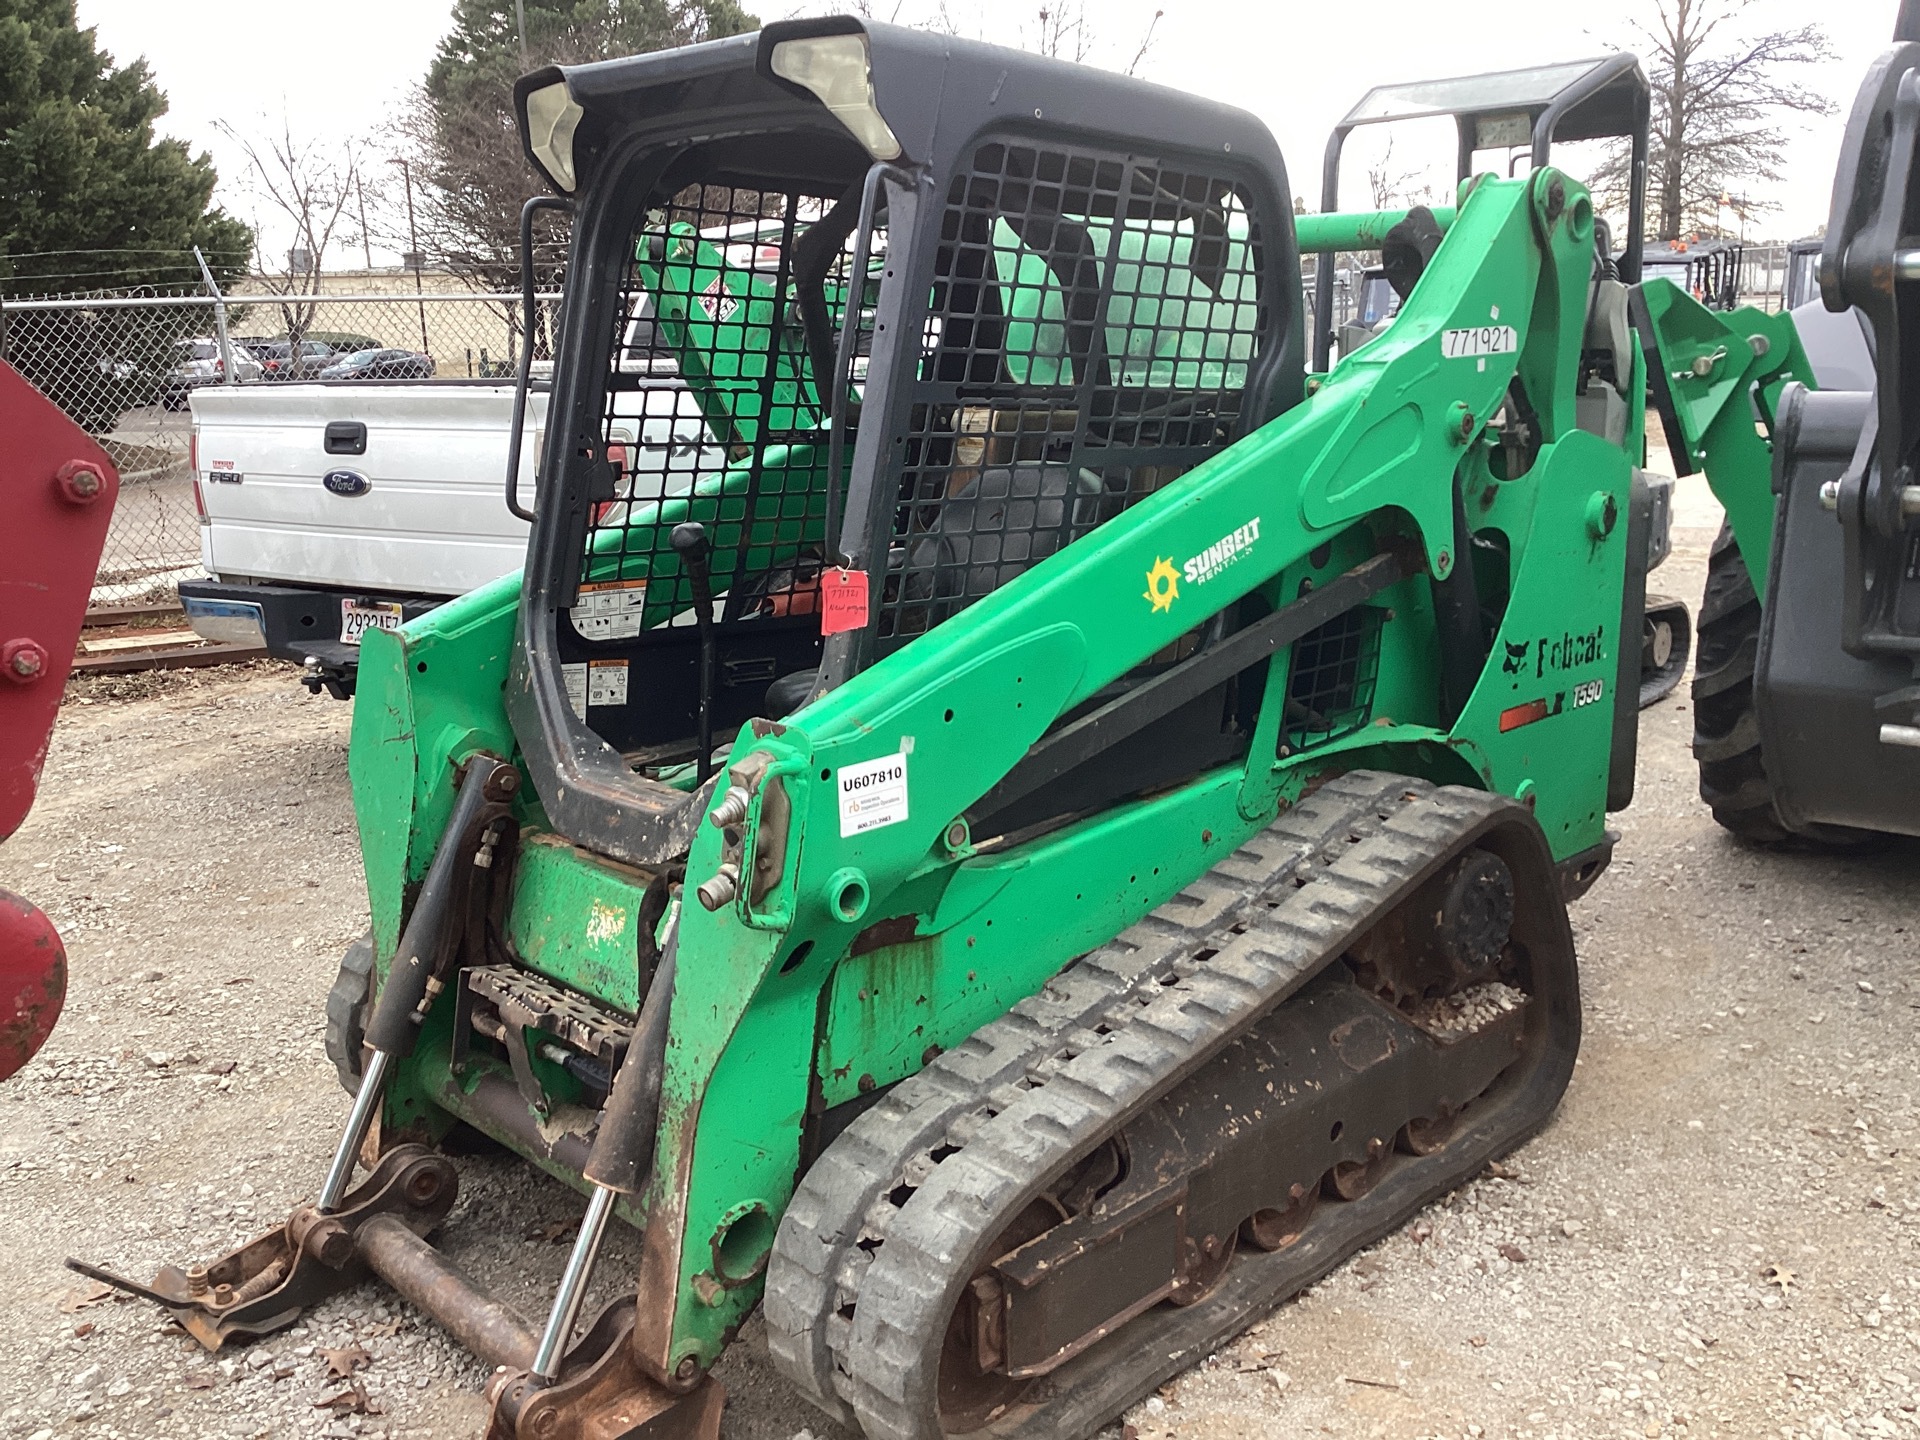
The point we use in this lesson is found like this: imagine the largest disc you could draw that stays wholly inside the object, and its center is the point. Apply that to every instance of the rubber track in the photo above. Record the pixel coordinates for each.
(951, 1220)
(1661, 683)
(841, 1214)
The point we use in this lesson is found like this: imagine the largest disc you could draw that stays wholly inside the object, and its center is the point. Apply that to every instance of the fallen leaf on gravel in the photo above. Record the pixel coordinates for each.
(202, 1380)
(388, 1330)
(1501, 1172)
(344, 1360)
(353, 1400)
(553, 1232)
(1478, 1342)
(1514, 1253)
(83, 1329)
(1777, 1275)
(80, 1299)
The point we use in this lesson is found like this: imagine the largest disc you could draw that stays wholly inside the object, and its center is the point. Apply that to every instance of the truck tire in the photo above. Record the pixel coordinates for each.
(348, 1004)
(1726, 731)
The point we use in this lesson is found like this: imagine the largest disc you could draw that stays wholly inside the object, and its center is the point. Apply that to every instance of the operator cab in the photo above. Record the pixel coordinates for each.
(940, 324)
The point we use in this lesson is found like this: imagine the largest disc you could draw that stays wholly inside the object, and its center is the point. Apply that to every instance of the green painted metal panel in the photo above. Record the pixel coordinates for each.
(1355, 229)
(1724, 373)
(575, 919)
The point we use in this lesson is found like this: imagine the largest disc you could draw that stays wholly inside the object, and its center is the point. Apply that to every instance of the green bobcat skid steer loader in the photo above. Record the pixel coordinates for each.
(1807, 691)
(1066, 837)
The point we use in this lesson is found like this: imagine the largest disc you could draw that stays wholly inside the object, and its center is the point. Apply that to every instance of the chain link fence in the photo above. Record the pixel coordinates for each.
(124, 368)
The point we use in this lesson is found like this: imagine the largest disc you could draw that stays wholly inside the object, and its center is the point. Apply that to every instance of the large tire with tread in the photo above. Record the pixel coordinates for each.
(348, 1004)
(1726, 731)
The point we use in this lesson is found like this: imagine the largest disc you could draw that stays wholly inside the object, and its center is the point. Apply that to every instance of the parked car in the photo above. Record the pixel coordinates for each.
(343, 342)
(381, 365)
(281, 363)
(197, 362)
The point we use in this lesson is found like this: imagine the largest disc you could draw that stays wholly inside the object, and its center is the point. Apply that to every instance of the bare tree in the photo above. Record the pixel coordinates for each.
(1719, 96)
(1064, 32)
(1392, 188)
(1061, 29)
(313, 188)
(1146, 44)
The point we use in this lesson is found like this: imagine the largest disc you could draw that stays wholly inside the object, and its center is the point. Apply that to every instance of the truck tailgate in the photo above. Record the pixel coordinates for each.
(421, 510)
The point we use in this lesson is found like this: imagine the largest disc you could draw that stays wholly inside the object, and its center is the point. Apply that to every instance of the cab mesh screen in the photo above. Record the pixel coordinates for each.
(1094, 318)
(732, 305)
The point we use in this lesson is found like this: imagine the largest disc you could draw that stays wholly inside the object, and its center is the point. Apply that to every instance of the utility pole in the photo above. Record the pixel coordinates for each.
(365, 243)
(415, 261)
(520, 27)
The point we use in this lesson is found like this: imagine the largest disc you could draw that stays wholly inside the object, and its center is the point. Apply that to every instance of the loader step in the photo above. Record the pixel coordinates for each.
(917, 1285)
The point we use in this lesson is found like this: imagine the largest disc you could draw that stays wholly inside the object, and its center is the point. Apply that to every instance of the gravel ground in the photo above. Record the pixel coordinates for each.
(1715, 1236)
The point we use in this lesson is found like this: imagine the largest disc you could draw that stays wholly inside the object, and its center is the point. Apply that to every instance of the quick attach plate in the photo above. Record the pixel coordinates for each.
(265, 1284)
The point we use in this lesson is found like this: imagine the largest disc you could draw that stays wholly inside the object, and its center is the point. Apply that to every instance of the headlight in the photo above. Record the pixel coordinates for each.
(552, 116)
(835, 68)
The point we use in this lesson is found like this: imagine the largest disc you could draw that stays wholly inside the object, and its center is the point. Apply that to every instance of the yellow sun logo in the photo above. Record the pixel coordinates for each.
(1163, 585)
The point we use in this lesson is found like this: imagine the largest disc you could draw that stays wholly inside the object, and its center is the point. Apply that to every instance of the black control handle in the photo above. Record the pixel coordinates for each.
(690, 543)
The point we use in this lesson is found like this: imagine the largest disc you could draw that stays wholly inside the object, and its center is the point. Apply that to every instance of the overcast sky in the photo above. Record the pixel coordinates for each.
(340, 68)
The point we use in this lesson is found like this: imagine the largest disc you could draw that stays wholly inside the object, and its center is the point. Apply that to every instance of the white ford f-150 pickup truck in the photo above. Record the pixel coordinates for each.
(329, 510)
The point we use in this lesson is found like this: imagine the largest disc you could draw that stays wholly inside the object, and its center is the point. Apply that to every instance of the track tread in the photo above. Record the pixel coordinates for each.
(913, 1279)
(840, 1214)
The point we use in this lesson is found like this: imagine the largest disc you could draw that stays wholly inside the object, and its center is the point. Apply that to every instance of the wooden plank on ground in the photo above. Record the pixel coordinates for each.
(127, 662)
(123, 614)
(140, 640)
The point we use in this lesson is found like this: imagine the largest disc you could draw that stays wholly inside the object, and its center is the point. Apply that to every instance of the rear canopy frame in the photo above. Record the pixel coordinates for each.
(1596, 99)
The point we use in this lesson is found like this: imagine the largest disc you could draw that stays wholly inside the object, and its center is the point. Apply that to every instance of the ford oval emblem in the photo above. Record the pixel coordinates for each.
(346, 482)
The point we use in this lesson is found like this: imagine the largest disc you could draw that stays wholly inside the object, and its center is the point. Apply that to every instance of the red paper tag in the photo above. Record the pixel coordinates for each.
(843, 600)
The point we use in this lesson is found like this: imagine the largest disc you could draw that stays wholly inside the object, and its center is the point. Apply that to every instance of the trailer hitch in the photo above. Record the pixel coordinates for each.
(265, 1284)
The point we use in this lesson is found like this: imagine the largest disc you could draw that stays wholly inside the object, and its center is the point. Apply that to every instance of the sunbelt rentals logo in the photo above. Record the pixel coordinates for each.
(1222, 553)
(1163, 580)
(1163, 584)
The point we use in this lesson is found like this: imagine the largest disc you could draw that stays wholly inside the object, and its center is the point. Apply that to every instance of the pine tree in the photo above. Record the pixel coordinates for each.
(89, 197)
(466, 134)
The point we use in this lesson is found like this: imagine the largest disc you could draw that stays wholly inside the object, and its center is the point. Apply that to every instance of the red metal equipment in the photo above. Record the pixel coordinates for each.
(57, 490)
